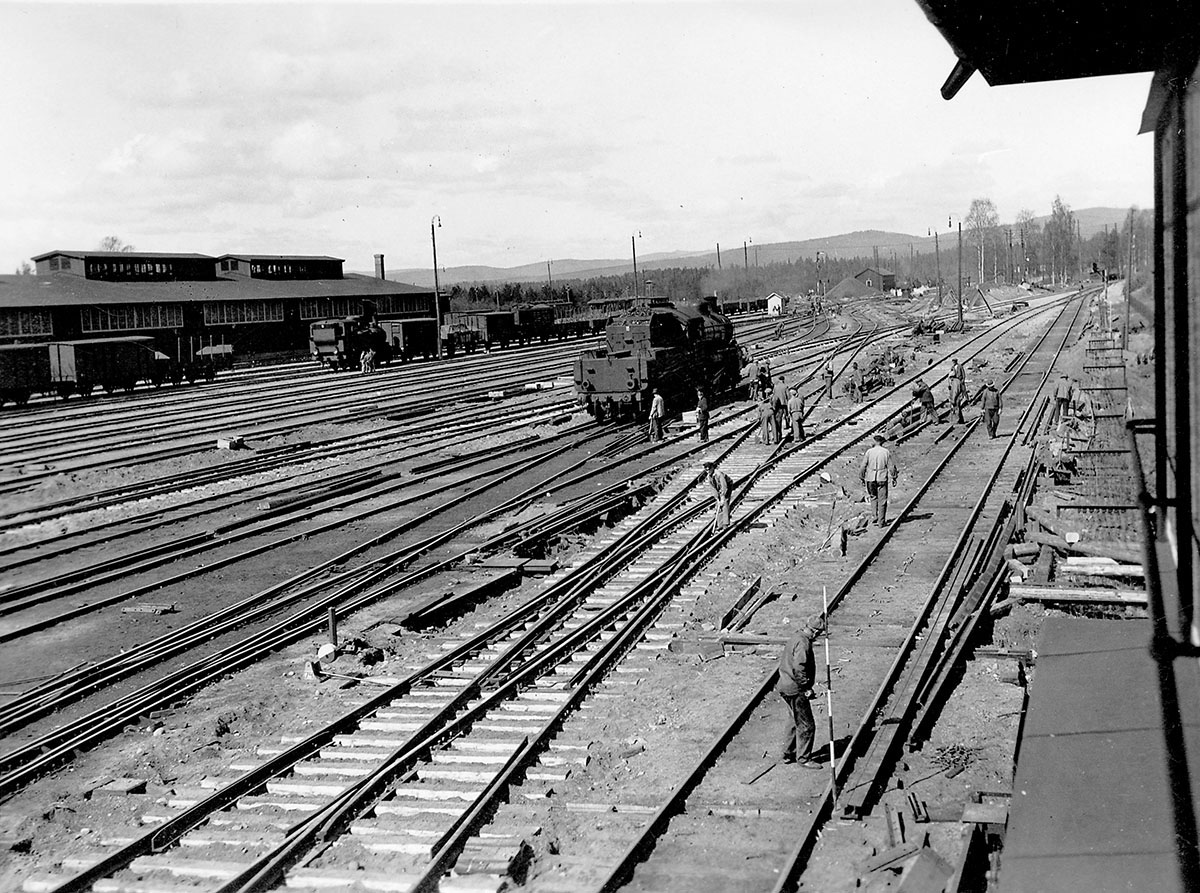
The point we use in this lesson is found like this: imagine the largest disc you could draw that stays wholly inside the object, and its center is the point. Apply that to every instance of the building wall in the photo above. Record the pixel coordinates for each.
(1177, 306)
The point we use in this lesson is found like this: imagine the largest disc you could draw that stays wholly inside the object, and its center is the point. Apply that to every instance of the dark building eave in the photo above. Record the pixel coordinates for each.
(1026, 41)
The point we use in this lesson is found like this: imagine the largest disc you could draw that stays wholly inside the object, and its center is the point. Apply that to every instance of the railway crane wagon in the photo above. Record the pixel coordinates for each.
(676, 350)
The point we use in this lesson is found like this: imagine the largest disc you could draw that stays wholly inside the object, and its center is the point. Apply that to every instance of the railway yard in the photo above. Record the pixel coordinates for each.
(437, 629)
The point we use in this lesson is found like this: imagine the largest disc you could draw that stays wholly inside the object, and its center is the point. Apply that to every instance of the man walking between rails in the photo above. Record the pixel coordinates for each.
(658, 410)
(779, 399)
(795, 406)
(1062, 399)
(878, 468)
(797, 672)
(702, 414)
(989, 401)
(722, 486)
(827, 376)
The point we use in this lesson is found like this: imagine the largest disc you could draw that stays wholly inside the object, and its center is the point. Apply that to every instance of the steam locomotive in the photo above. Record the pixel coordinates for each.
(657, 345)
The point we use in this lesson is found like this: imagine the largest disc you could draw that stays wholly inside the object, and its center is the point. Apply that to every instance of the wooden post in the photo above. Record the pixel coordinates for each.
(333, 630)
(829, 700)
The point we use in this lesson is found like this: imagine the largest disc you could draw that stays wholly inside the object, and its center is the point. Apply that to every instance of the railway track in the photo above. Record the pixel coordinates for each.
(528, 700)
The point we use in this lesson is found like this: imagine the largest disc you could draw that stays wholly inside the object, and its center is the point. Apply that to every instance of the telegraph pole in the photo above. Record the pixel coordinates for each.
(437, 299)
(746, 258)
(718, 255)
(633, 244)
(960, 294)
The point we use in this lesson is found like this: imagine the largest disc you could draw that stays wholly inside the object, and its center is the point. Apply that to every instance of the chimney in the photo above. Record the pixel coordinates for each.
(379, 267)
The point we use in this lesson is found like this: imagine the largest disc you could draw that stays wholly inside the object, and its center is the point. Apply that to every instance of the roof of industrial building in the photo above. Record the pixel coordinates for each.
(252, 256)
(60, 289)
(124, 254)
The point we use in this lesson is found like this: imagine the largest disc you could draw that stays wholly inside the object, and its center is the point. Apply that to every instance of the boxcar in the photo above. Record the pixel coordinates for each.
(24, 371)
(111, 363)
(411, 338)
(496, 327)
(535, 322)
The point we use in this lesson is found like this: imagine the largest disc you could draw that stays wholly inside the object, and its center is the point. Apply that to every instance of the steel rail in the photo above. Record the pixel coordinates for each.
(600, 619)
(640, 847)
(269, 869)
(862, 734)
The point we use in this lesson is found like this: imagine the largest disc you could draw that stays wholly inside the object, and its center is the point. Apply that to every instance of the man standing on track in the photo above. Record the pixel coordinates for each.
(827, 376)
(856, 383)
(1062, 399)
(766, 419)
(702, 414)
(876, 471)
(779, 399)
(957, 397)
(990, 402)
(797, 672)
(722, 487)
(796, 411)
(658, 410)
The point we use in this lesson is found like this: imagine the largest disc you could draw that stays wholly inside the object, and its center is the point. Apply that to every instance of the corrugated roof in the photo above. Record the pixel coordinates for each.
(127, 255)
(248, 257)
(59, 290)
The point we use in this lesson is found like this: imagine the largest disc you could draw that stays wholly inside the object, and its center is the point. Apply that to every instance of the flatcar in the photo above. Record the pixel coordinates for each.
(658, 345)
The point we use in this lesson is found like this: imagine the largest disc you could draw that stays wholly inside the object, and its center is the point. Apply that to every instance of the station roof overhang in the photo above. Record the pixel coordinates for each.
(1026, 41)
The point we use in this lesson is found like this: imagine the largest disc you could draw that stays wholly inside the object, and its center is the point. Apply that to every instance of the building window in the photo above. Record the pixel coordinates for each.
(218, 313)
(53, 263)
(224, 266)
(25, 322)
(126, 317)
(66, 263)
(233, 264)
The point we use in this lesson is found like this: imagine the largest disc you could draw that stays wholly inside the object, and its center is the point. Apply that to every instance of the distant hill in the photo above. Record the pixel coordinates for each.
(861, 243)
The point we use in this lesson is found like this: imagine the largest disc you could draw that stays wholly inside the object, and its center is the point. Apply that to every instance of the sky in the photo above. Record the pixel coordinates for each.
(532, 131)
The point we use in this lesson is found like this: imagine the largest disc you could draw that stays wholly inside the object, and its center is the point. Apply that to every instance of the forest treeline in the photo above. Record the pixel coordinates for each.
(992, 253)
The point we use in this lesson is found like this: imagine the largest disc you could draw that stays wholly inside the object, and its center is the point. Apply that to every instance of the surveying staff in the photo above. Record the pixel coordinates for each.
(779, 399)
(876, 470)
(702, 414)
(721, 487)
(989, 401)
(658, 410)
(797, 672)
(795, 407)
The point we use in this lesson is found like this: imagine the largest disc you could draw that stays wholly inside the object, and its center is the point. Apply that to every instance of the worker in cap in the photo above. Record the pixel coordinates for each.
(797, 673)
(989, 401)
(877, 470)
(795, 407)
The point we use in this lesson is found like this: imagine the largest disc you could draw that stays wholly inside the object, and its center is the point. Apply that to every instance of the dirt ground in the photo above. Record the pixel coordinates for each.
(185, 751)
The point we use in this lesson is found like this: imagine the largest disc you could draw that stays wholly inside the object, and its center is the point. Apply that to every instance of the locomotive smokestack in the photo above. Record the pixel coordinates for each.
(379, 267)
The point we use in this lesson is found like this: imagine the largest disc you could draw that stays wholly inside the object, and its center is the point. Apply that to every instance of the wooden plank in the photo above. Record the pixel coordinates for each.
(1080, 595)
(740, 602)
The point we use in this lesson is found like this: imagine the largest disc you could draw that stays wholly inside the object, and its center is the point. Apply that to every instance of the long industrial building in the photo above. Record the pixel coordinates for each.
(257, 303)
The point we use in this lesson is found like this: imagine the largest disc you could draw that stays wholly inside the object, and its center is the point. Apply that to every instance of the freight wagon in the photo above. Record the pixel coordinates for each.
(534, 322)
(24, 371)
(111, 363)
(410, 338)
